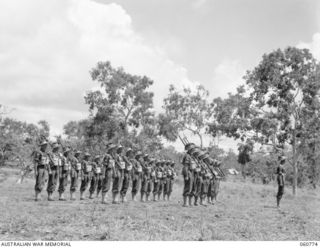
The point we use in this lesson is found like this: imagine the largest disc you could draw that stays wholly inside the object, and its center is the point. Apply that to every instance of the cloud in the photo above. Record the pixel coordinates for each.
(196, 4)
(313, 46)
(48, 48)
(227, 76)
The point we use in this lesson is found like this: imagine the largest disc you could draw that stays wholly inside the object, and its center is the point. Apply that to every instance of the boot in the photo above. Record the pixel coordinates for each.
(97, 194)
(185, 202)
(169, 197)
(158, 197)
(154, 197)
(37, 196)
(196, 200)
(164, 197)
(81, 196)
(278, 203)
(142, 200)
(212, 201)
(115, 198)
(202, 202)
(61, 197)
(124, 199)
(104, 198)
(147, 198)
(91, 195)
(121, 198)
(190, 201)
(50, 198)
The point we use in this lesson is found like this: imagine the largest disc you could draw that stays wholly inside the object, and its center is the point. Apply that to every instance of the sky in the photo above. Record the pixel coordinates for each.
(47, 48)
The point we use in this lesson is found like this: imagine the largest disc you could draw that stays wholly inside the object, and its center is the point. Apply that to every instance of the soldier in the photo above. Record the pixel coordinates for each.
(96, 175)
(63, 174)
(55, 163)
(137, 175)
(197, 178)
(280, 179)
(187, 173)
(146, 176)
(41, 168)
(75, 172)
(166, 178)
(117, 174)
(157, 179)
(161, 178)
(205, 173)
(107, 171)
(127, 174)
(86, 174)
(170, 179)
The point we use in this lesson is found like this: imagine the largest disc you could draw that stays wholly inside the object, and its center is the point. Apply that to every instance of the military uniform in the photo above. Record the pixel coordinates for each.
(96, 176)
(170, 179)
(197, 183)
(188, 175)
(146, 186)
(118, 173)
(64, 171)
(55, 163)
(157, 175)
(161, 178)
(107, 172)
(74, 174)
(136, 175)
(86, 174)
(41, 160)
(127, 175)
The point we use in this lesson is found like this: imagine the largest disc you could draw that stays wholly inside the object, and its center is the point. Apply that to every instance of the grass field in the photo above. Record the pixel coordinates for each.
(244, 211)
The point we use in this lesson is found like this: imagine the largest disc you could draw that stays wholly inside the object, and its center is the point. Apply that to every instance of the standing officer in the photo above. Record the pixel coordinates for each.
(96, 175)
(117, 174)
(127, 174)
(137, 175)
(55, 163)
(75, 172)
(63, 174)
(280, 179)
(86, 174)
(107, 171)
(41, 167)
(188, 175)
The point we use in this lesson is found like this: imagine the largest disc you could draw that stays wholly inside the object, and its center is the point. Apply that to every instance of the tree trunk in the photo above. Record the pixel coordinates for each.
(200, 136)
(294, 164)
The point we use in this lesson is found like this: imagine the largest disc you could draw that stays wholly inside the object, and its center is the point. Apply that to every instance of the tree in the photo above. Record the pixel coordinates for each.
(282, 95)
(122, 107)
(187, 110)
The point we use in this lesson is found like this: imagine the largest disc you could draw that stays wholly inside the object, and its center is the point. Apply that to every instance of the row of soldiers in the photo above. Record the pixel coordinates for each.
(115, 170)
(202, 175)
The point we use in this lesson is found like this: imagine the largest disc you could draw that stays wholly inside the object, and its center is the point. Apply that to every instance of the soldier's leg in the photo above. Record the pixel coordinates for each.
(99, 185)
(115, 189)
(143, 188)
(62, 185)
(155, 189)
(39, 183)
(170, 188)
(93, 186)
(84, 185)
